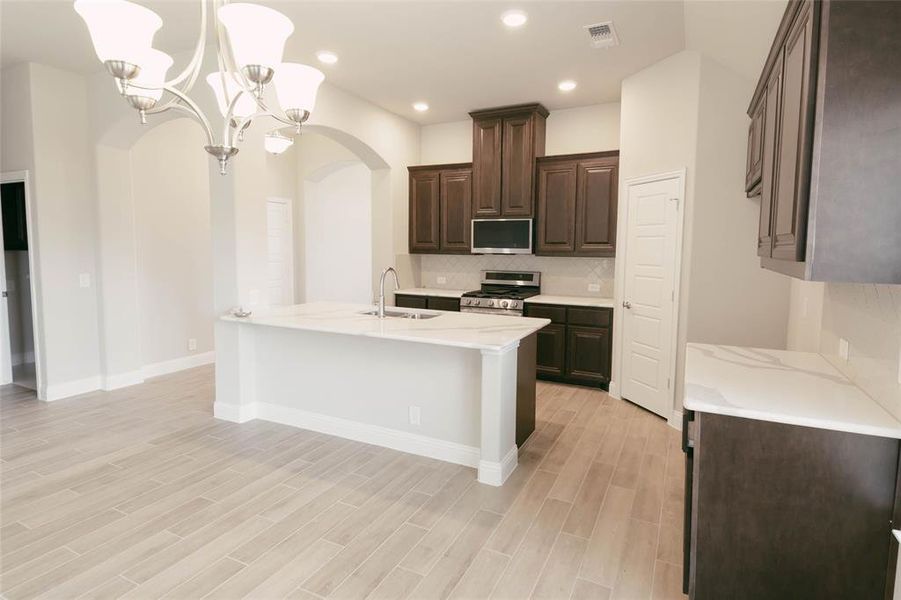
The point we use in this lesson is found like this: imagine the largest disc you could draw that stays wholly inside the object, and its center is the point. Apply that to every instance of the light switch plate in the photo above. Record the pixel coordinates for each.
(844, 349)
(192, 344)
(594, 287)
(442, 280)
(84, 280)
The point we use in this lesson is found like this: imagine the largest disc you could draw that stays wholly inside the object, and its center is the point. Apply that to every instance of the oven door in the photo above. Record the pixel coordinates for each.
(502, 236)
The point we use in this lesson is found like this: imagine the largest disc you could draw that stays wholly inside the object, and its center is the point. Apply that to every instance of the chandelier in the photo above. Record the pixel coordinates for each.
(250, 41)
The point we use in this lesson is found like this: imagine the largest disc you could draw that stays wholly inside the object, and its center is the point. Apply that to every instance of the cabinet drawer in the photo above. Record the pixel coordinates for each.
(442, 303)
(404, 301)
(557, 314)
(589, 317)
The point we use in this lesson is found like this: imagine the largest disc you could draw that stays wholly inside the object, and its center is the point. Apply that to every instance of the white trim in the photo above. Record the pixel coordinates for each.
(178, 364)
(619, 282)
(121, 380)
(34, 276)
(58, 391)
(496, 473)
(396, 439)
(675, 420)
(613, 390)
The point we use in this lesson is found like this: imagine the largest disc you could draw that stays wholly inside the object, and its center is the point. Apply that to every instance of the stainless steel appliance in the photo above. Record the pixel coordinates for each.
(502, 236)
(502, 292)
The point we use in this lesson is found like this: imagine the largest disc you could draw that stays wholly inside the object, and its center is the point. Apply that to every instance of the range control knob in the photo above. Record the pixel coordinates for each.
(504, 304)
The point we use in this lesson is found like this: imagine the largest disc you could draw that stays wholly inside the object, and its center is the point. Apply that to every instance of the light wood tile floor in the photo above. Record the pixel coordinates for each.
(140, 493)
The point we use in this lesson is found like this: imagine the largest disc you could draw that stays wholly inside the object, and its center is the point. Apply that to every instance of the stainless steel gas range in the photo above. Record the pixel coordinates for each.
(502, 292)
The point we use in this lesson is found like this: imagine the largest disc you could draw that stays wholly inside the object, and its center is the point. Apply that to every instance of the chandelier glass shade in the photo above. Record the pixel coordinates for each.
(250, 42)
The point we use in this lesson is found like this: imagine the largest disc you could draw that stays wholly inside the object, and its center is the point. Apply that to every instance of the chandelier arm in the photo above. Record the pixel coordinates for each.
(192, 69)
(192, 108)
(243, 122)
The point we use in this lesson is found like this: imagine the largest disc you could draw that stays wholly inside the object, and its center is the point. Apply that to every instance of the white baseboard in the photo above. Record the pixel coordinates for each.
(58, 391)
(362, 432)
(613, 390)
(121, 380)
(496, 473)
(234, 413)
(675, 420)
(178, 364)
(22, 358)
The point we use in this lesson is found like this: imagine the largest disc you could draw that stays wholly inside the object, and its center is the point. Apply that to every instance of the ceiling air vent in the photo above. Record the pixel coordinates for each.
(602, 35)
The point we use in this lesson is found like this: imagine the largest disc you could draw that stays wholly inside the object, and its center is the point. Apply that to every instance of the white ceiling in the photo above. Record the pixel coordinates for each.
(455, 55)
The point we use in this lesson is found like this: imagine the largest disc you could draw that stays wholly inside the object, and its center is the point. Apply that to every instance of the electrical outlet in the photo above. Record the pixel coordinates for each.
(192, 344)
(84, 280)
(415, 415)
(442, 280)
(844, 349)
(594, 287)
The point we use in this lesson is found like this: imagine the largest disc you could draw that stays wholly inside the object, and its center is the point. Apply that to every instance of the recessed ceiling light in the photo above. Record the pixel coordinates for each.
(327, 57)
(514, 18)
(420, 106)
(567, 85)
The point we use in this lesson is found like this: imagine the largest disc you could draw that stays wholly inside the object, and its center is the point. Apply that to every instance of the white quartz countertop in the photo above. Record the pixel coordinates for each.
(465, 330)
(797, 388)
(431, 292)
(573, 300)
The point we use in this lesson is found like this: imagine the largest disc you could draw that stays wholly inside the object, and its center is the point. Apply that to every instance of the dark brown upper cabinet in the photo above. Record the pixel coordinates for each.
(440, 205)
(826, 109)
(505, 144)
(576, 204)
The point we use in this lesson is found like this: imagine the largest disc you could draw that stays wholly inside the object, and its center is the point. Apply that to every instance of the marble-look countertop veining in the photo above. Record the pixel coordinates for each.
(797, 388)
(465, 330)
(573, 300)
(431, 292)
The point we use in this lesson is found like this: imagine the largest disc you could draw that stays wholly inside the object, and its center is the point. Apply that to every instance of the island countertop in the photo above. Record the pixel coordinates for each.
(796, 388)
(464, 330)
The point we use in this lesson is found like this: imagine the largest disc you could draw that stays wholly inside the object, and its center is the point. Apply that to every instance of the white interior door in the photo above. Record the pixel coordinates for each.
(280, 251)
(649, 323)
(6, 365)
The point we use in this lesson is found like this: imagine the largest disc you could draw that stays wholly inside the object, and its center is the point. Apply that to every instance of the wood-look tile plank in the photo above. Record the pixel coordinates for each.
(587, 590)
(608, 540)
(649, 495)
(513, 528)
(207, 580)
(523, 572)
(667, 582)
(112, 589)
(398, 585)
(635, 579)
(587, 503)
(559, 573)
(380, 563)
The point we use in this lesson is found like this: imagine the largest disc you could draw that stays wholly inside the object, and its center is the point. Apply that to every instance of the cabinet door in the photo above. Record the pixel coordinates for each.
(424, 205)
(518, 167)
(596, 194)
(15, 229)
(551, 350)
(588, 353)
(556, 223)
(486, 167)
(793, 150)
(754, 164)
(768, 167)
(456, 207)
(404, 301)
(441, 303)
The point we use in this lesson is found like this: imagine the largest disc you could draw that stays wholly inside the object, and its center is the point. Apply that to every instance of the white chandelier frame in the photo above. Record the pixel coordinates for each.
(251, 79)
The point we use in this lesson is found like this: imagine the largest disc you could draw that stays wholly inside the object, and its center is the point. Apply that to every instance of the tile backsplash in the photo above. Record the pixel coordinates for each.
(562, 276)
(869, 318)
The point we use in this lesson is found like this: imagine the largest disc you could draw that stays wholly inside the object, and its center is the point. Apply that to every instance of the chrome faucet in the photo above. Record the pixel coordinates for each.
(382, 289)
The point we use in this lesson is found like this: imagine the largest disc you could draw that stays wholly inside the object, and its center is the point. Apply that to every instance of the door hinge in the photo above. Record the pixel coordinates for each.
(676, 200)
(672, 295)
(668, 382)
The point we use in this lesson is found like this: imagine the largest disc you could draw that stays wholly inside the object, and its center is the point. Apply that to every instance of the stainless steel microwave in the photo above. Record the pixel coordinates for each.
(502, 236)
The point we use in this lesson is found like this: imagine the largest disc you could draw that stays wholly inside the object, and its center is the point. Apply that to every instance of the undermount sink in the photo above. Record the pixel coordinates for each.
(397, 314)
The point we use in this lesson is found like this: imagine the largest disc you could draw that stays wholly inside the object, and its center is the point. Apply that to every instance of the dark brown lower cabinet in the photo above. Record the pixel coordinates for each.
(782, 511)
(576, 347)
(427, 302)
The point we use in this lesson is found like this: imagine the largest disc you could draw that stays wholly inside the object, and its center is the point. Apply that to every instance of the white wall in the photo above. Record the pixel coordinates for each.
(338, 235)
(172, 231)
(687, 111)
(584, 129)
(805, 315)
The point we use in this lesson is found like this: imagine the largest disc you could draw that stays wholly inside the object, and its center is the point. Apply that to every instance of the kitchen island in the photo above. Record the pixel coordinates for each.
(451, 386)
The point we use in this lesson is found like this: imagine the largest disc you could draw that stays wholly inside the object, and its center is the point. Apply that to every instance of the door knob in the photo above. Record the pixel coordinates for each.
(627, 304)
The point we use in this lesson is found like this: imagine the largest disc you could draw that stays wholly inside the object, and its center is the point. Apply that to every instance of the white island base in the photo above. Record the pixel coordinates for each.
(327, 368)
